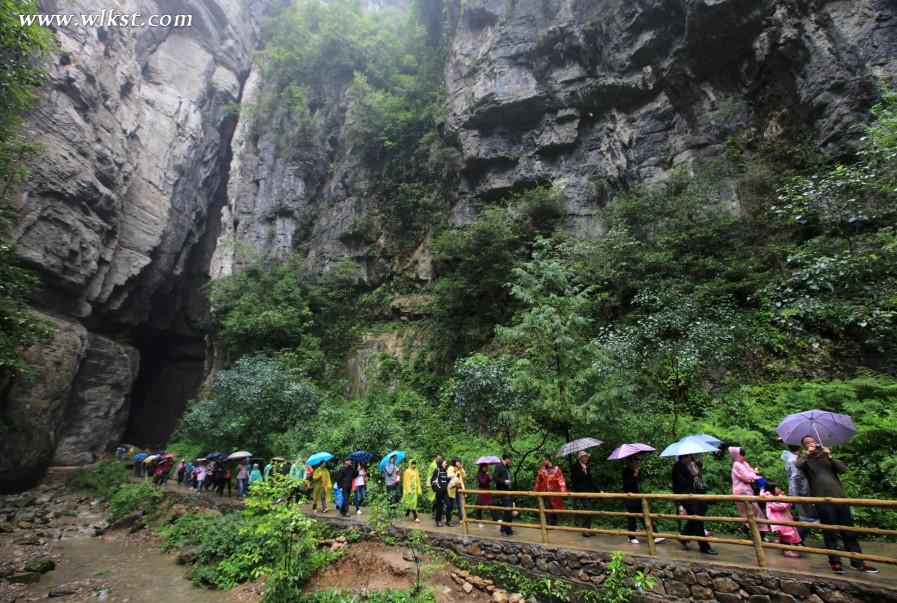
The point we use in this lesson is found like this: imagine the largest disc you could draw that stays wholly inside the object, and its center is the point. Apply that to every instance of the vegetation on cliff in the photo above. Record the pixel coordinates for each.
(21, 50)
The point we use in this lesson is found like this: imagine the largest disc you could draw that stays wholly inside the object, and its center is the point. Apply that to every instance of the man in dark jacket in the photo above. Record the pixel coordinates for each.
(686, 480)
(581, 480)
(822, 472)
(344, 478)
(502, 478)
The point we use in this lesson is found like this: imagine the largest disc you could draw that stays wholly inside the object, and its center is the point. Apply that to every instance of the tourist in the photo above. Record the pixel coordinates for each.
(360, 487)
(687, 480)
(189, 475)
(502, 478)
(456, 476)
(484, 482)
(255, 475)
(798, 485)
(267, 473)
(431, 495)
(391, 475)
(822, 470)
(632, 485)
(242, 479)
(582, 481)
(411, 490)
(743, 479)
(181, 471)
(550, 478)
(344, 478)
(218, 477)
(778, 511)
(201, 477)
(321, 487)
(439, 485)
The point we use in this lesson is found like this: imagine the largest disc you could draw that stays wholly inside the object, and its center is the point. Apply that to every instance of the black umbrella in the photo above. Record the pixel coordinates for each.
(214, 456)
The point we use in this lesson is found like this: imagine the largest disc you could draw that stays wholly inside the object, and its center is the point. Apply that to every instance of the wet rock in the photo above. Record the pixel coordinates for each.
(499, 596)
(41, 565)
(467, 587)
(127, 521)
(188, 555)
(6, 571)
(61, 592)
(27, 540)
(25, 577)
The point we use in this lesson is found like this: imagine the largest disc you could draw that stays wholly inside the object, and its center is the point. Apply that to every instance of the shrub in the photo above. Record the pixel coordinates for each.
(143, 497)
(103, 478)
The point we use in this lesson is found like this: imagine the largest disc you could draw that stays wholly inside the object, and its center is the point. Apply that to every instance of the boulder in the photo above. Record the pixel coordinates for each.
(41, 565)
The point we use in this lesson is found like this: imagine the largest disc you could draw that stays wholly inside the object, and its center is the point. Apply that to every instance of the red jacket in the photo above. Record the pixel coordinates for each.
(551, 480)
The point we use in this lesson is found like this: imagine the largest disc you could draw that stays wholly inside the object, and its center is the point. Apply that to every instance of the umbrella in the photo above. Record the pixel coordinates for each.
(214, 456)
(201, 460)
(399, 454)
(151, 458)
(167, 455)
(360, 456)
(318, 458)
(240, 454)
(626, 450)
(577, 445)
(139, 457)
(688, 445)
(830, 428)
(278, 458)
(487, 460)
(712, 440)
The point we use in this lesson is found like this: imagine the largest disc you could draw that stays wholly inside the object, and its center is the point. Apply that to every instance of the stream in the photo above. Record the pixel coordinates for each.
(52, 525)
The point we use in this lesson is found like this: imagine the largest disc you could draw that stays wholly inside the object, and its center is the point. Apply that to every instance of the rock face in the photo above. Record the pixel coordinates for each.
(597, 96)
(119, 213)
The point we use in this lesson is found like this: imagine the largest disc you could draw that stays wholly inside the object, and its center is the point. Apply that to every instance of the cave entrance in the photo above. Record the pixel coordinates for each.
(172, 369)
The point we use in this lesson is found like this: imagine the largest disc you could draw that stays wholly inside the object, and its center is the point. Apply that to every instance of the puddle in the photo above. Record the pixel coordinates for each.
(111, 570)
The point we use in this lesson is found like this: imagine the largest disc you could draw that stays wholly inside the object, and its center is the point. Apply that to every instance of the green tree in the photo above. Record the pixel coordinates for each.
(248, 405)
(548, 336)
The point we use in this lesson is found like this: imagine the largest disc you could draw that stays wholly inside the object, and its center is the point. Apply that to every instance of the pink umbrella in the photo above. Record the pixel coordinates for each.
(627, 450)
(488, 460)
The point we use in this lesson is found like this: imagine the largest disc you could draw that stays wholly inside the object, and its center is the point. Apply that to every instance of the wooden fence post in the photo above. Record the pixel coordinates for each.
(649, 527)
(464, 520)
(755, 535)
(542, 521)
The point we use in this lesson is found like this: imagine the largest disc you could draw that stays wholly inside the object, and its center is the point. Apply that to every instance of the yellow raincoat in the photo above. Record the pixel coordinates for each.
(460, 474)
(411, 488)
(321, 479)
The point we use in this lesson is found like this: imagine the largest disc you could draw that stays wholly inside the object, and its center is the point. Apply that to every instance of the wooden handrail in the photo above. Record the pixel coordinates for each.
(859, 502)
(649, 530)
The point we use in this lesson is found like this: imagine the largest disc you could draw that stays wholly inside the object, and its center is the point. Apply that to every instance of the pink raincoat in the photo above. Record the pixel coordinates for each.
(779, 511)
(743, 475)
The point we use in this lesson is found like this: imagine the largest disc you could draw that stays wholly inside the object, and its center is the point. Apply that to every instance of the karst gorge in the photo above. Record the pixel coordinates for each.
(458, 226)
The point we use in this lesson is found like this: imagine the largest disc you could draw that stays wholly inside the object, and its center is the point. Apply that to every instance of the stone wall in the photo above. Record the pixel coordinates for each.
(678, 581)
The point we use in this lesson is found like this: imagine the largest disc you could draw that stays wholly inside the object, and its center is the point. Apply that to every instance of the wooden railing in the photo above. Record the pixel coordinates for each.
(647, 516)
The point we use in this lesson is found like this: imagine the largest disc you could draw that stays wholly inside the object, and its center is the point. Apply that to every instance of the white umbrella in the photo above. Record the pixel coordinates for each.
(240, 454)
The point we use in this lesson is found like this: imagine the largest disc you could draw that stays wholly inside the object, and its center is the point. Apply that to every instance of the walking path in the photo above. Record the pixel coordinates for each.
(729, 555)
(737, 556)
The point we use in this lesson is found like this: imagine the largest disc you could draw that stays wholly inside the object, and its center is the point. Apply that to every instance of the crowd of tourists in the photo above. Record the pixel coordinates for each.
(811, 470)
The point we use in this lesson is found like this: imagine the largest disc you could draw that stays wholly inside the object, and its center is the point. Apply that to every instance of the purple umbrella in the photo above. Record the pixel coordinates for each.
(487, 460)
(577, 445)
(830, 428)
(626, 450)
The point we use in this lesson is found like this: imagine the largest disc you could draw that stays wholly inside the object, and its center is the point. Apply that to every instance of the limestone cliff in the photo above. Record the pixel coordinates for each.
(116, 219)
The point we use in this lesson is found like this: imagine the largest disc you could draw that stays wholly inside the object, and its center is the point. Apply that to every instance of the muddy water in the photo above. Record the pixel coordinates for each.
(114, 569)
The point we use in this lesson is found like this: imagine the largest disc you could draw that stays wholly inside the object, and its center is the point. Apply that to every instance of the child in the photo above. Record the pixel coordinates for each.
(779, 511)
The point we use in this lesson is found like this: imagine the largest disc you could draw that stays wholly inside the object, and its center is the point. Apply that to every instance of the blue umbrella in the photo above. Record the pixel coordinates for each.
(688, 445)
(712, 440)
(399, 454)
(360, 456)
(139, 456)
(318, 458)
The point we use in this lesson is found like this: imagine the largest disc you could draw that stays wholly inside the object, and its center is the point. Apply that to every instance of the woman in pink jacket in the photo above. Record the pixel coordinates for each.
(743, 475)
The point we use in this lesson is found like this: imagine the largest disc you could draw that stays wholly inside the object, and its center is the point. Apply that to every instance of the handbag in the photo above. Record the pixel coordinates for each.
(698, 485)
